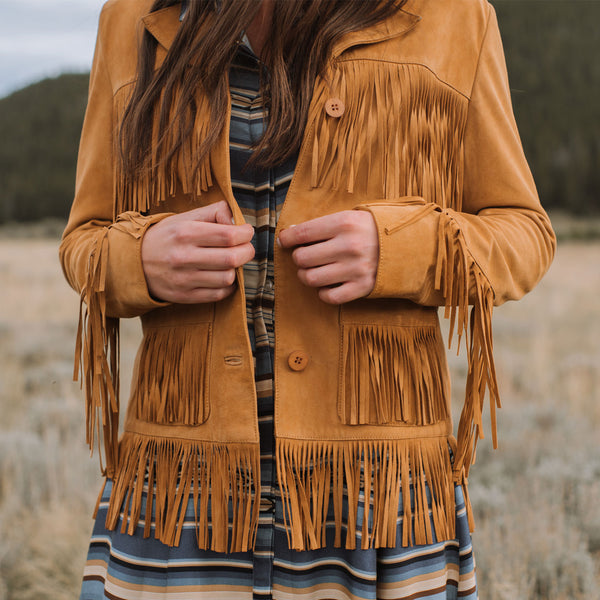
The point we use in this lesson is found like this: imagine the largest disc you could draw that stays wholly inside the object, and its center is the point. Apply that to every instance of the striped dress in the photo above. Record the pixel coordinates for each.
(126, 567)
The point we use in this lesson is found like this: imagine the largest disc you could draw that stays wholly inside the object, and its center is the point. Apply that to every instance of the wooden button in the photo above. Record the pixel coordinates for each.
(334, 107)
(298, 360)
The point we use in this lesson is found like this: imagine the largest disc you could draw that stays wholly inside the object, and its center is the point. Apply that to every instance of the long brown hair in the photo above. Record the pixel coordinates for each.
(161, 114)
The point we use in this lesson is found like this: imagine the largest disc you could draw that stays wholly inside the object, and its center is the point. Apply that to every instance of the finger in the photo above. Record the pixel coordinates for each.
(323, 276)
(205, 295)
(206, 234)
(341, 294)
(223, 214)
(219, 259)
(210, 258)
(315, 230)
(217, 212)
(194, 279)
(321, 253)
(199, 295)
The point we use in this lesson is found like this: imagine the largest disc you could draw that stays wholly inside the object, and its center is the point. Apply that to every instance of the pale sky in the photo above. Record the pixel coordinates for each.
(43, 38)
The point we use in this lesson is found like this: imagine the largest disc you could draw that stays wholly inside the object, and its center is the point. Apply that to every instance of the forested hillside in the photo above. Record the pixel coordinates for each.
(553, 54)
(553, 51)
(39, 135)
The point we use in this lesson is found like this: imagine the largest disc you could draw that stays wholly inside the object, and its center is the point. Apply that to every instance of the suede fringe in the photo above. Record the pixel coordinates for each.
(375, 472)
(421, 143)
(161, 180)
(458, 276)
(420, 139)
(391, 375)
(97, 358)
(220, 478)
(171, 386)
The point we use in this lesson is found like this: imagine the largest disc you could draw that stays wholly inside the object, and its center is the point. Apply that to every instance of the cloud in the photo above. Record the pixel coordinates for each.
(39, 38)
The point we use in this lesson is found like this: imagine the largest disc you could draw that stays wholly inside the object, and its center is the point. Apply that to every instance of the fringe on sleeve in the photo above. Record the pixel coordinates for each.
(97, 358)
(458, 277)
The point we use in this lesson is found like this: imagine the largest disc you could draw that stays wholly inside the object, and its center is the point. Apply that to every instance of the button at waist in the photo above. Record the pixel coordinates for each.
(298, 360)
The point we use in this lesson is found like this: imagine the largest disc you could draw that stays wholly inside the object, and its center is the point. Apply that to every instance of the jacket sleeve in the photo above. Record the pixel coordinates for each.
(101, 252)
(101, 257)
(502, 236)
(493, 250)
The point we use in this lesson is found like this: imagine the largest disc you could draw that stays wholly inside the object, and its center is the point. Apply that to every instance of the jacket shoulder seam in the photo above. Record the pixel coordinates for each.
(480, 52)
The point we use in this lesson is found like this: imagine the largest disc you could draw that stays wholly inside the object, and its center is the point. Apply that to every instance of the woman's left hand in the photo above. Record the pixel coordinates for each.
(337, 253)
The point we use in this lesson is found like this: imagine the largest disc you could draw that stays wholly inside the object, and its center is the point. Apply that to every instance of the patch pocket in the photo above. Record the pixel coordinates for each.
(171, 383)
(392, 373)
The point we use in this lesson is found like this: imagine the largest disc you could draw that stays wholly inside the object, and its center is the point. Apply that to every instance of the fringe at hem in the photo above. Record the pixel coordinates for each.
(222, 479)
(313, 473)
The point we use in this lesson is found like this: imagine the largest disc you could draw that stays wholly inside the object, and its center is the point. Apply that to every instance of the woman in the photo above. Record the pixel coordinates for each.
(288, 432)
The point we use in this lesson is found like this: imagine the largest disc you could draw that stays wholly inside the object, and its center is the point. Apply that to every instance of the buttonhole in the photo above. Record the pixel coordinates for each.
(233, 361)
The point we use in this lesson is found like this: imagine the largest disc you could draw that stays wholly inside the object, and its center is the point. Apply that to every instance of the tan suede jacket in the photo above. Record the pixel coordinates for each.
(412, 121)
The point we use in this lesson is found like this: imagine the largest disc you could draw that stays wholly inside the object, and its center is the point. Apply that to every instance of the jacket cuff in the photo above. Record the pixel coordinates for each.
(408, 248)
(126, 284)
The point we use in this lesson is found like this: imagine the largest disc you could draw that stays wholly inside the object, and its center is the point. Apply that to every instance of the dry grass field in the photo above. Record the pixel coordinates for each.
(537, 499)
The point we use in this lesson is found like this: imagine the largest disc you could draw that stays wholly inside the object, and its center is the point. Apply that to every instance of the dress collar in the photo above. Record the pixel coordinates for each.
(184, 8)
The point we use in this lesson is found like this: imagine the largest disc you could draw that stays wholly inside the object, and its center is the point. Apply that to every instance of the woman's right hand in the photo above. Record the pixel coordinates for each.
(191, 257)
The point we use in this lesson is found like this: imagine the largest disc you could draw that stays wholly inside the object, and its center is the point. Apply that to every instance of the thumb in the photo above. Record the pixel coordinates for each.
(218, 212)
(223, 214)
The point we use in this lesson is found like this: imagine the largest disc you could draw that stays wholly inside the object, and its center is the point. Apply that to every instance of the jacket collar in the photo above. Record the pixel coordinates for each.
(402, 22)
(164, 24)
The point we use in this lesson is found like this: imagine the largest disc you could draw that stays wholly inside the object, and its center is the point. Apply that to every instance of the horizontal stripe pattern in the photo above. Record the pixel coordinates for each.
(124, 567)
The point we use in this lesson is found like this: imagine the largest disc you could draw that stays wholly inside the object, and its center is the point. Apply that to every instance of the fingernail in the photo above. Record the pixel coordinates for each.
(278, 241)
(232, 221)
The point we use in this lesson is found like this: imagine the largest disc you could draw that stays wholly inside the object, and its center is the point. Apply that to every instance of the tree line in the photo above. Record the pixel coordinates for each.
(552, 49)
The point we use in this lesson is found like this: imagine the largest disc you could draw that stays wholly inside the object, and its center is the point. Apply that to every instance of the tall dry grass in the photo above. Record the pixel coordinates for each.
(537, 499)
(48, 484)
